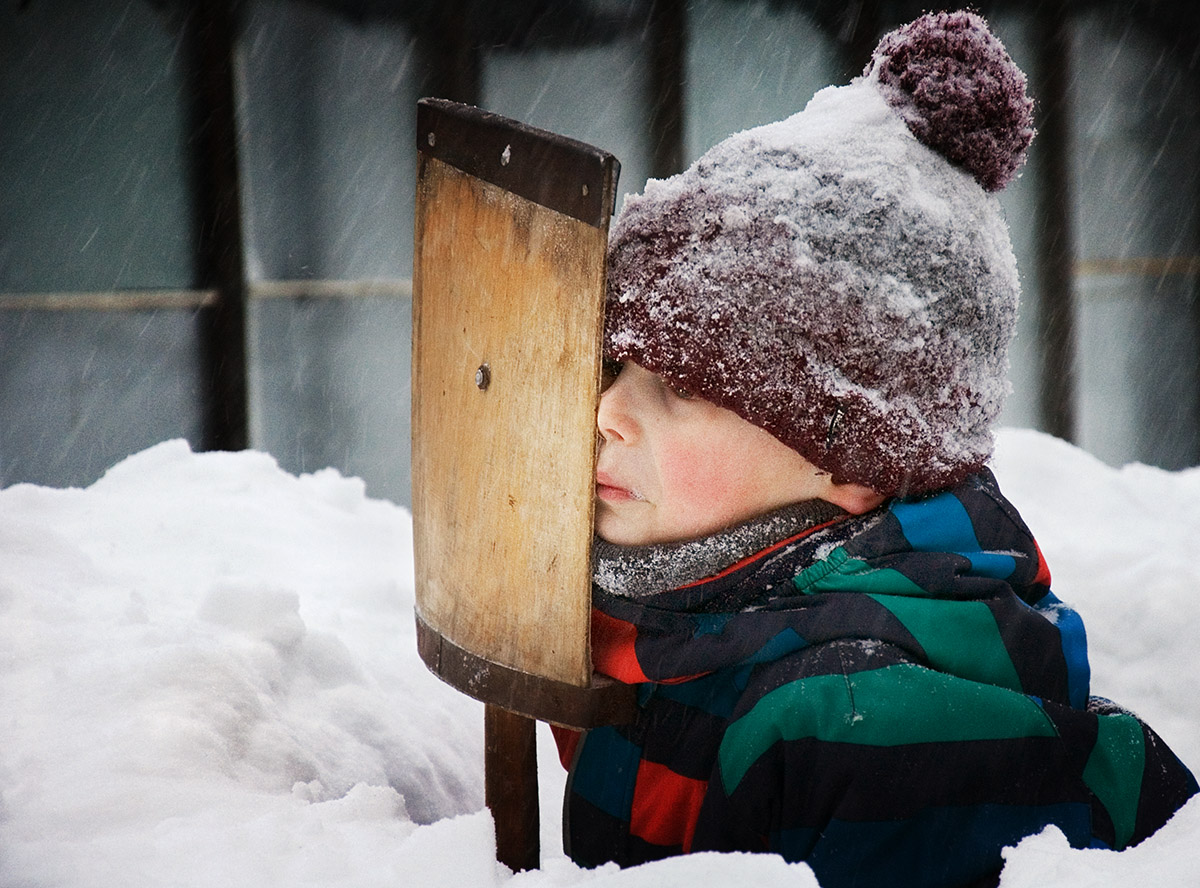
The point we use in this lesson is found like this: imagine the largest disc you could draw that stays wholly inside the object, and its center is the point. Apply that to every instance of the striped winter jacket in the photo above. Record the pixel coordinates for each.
(892, 698)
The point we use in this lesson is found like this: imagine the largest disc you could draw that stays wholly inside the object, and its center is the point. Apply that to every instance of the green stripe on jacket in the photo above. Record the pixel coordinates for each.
(892, 706)
(959, 637)
(1114, 771)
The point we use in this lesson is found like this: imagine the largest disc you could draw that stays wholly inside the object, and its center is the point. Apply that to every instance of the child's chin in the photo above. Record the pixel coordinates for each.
(613, 530)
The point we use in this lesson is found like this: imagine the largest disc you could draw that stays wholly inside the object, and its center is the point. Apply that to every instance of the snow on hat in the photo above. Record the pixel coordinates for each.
(844, 278)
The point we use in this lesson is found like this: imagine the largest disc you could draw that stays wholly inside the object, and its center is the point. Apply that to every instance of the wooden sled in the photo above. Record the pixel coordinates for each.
(508, 296)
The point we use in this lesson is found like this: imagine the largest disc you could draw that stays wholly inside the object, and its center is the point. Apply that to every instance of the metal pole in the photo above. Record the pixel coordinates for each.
(1056, 249)
(668, 22)
(220, 257)
(456, 63)
(858, 32)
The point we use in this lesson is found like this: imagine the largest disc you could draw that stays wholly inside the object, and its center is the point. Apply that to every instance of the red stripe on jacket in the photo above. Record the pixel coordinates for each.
(665, 806)
(613, 650)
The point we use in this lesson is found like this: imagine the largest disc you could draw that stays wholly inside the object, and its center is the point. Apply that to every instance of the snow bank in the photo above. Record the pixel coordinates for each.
(208, 677)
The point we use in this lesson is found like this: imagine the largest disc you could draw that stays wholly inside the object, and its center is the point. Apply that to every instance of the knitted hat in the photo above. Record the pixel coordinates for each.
(844, 278)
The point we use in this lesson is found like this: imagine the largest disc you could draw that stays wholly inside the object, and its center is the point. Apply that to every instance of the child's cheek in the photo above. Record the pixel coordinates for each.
(698, 477)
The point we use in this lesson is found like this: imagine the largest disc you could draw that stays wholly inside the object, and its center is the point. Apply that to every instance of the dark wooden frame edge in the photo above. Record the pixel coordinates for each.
(554, 171)
(604, 702)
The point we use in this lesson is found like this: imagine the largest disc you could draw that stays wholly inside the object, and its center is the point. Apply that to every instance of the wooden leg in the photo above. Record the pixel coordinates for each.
(511, 787)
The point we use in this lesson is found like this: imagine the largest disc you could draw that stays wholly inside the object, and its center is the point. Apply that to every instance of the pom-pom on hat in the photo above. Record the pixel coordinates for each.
(844, 278)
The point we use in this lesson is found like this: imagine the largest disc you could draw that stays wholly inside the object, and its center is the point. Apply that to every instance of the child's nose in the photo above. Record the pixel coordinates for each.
(614, 416)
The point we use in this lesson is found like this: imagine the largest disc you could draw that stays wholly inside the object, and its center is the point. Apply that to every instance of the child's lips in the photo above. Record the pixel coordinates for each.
(609, 490)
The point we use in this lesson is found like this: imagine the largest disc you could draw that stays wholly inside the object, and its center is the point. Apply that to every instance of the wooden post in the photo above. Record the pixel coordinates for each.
(511, 786)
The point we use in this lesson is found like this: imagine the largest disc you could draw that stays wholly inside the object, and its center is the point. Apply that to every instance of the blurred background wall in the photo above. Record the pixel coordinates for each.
(206, 207)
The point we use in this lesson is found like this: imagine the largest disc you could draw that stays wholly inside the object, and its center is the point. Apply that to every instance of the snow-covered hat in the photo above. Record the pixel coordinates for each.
(844, 278)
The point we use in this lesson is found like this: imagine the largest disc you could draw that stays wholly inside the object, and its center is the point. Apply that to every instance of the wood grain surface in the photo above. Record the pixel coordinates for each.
(507, 325)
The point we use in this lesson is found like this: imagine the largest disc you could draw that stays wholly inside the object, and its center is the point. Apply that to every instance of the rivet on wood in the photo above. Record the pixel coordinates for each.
(585, 189)
(483, 377)
(431, 139)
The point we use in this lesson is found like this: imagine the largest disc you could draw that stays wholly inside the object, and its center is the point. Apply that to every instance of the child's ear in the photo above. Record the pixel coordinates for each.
(854, 498)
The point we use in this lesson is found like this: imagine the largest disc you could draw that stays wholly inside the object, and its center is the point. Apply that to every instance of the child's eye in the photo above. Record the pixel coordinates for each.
(609, 371)
(682, 393)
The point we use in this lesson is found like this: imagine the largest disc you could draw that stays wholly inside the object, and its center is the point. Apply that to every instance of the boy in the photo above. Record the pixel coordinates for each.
(844, 639)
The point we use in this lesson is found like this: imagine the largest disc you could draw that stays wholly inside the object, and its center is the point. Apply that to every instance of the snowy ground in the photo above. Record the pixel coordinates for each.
(208, 678)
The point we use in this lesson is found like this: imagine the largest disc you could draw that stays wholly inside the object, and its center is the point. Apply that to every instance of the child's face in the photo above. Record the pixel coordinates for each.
(672, 467)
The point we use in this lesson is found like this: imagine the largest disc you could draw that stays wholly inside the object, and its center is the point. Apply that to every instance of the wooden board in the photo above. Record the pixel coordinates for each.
(508, 300)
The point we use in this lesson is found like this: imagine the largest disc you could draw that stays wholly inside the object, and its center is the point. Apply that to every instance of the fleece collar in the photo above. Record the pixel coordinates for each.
(639, 572)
